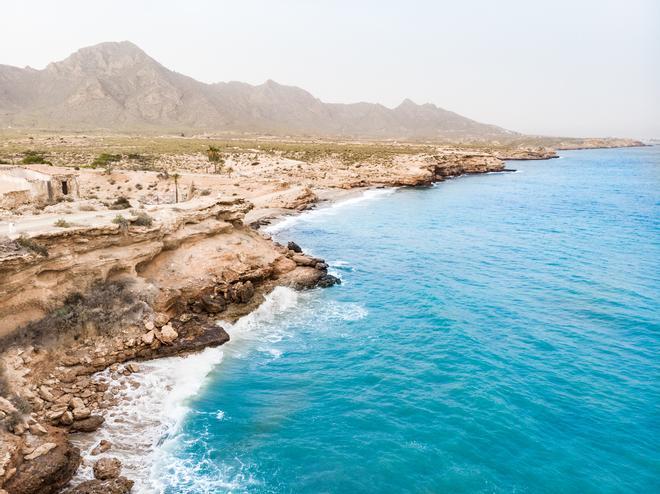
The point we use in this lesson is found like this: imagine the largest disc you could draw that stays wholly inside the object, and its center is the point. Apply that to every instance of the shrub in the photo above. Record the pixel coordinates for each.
(143, 219)
(205, 192)
(12, 420)
(34, 157)
(5, 389)
(21, 404)
(31, 245)
(62, 223)
(105, 159)
(120, 220)
(100, 310)
(120, 203)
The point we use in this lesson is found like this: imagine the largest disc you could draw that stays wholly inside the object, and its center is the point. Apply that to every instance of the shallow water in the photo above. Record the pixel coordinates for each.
(494, 333)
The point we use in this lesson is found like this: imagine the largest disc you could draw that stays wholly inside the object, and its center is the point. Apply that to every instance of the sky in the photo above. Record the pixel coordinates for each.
(564, 68)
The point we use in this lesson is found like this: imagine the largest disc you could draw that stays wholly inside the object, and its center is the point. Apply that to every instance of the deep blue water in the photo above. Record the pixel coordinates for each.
(494, 334)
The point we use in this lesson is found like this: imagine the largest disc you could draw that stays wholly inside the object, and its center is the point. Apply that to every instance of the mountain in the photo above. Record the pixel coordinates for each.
(117, 86)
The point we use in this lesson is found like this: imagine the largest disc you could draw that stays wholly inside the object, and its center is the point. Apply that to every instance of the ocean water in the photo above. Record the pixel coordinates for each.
(494, 333)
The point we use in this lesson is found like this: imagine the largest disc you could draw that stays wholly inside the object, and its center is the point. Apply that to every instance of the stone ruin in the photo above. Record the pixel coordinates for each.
(20, 186)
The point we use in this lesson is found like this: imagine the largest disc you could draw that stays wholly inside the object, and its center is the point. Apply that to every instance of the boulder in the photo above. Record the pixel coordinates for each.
(47, 473)
(45, 394)
(81, 413)
(294, 247)
(327, 280)
(167, 334)
(37, 429)
(161, 319)
(303, 260)
(107, 468)
(66, 418)
(87, 425)
(102, 447)
(148, 338)
(76, 402)
(119, 485)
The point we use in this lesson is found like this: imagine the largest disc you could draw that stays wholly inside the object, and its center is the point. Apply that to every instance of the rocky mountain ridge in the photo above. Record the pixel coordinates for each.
(117, 86)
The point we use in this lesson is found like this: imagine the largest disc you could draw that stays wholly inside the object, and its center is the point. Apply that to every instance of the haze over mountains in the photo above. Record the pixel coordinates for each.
(117, 86)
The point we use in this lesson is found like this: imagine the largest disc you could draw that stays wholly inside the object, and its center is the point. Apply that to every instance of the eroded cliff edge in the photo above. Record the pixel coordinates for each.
(110, 289)
(74, 301)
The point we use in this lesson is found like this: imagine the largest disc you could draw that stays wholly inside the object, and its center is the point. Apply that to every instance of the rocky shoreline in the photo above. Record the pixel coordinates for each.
(136, 312)
(105, 296)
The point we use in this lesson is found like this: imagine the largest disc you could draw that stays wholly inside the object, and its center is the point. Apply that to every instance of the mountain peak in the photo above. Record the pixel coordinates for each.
(407, 103)
(110, 55)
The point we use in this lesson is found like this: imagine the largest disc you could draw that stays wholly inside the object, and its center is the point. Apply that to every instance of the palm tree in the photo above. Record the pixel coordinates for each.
(176, 177)
(215, 157)
(213, 154)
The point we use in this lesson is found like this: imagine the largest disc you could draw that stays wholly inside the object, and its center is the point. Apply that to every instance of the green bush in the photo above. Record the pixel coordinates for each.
(143, 219)
(120, 220)
(105, 159)
(34, 157)
(120, 203)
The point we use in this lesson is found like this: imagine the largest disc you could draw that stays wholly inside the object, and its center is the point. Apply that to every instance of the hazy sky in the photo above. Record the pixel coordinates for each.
(558, 67)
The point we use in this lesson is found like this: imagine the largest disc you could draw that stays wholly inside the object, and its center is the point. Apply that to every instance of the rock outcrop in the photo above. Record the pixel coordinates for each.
(46, 469)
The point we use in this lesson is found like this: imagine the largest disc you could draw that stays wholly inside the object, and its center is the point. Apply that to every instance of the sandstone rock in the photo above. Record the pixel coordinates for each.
(38, 429)
(70, 360)
(167, 334)
(46, 394)
(185, 317)
(241, 292)
(303, 260)
(88, 425)
(119, 485)
(102, 447)
(213, 305)
(55, 414)
(81, 413)
(64, 399)
(148, 338)
(284, 265)
(76, 403)
(161, 319)
(66, 418)
(40, 451)
(149, 325)
(107, 468)
(47, 473)
(6, 406)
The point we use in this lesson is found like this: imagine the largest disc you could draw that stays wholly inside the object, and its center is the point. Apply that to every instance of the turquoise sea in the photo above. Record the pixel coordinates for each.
(494, 333)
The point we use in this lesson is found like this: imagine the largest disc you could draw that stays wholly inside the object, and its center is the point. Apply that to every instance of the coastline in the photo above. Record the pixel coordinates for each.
(326, 200)
(152, 401)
